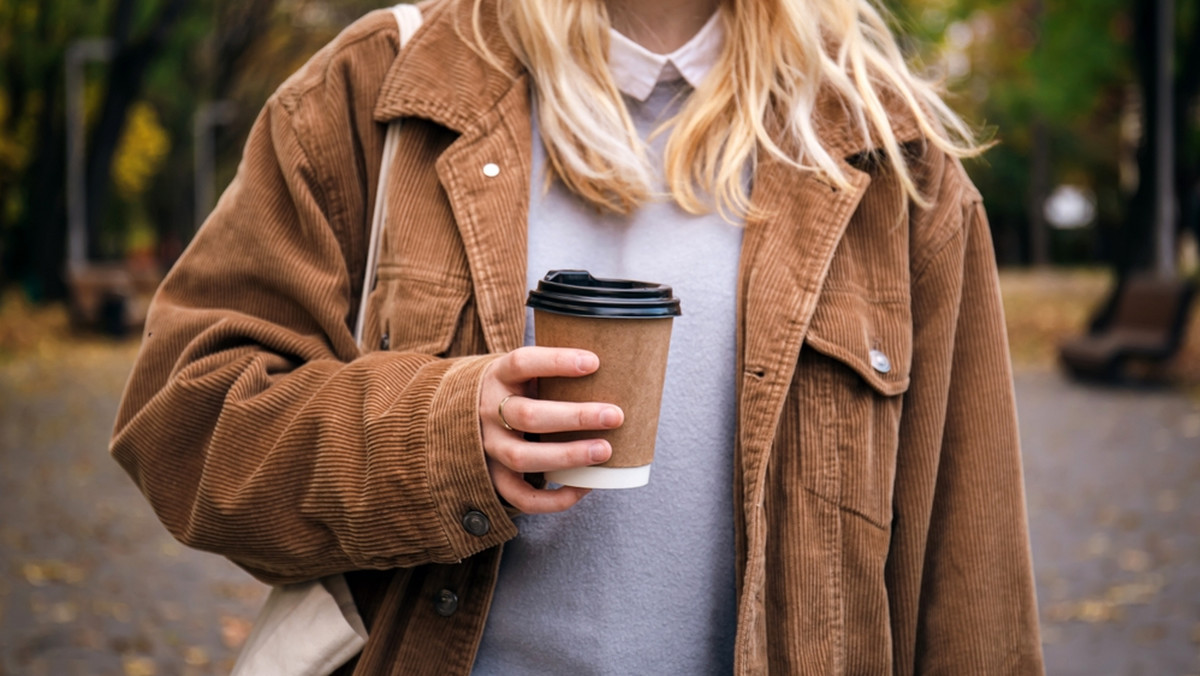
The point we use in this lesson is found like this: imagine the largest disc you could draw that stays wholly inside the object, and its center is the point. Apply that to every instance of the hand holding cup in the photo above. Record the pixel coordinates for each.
(510, 380)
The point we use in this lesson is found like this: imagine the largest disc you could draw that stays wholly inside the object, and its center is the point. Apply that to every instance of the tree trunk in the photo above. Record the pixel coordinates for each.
(1039, 190)
(41, 234)
(127, 72)
(1136, 249)
(1040, 163)
(1187, 160)
(42, 240)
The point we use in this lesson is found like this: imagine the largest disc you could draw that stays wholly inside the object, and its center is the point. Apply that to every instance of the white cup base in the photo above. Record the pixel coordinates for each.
(601, 477)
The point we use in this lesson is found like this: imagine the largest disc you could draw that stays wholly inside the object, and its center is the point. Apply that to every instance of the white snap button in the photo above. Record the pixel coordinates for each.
(880, 361)
(491, 170)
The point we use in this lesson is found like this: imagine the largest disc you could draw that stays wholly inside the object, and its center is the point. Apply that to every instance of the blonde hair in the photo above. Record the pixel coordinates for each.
(777, 56)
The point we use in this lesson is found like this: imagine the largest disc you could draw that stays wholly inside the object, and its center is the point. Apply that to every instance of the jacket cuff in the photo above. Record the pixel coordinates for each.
(467, 510)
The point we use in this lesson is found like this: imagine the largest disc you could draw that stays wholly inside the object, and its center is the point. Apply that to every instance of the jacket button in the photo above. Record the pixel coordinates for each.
(476, 523)
(491, 170)
(446, 603)
(385, 343)
(880, 361)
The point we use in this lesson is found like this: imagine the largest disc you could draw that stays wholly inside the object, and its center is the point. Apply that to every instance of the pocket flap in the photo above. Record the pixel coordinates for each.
(874, 338)
(418, 312)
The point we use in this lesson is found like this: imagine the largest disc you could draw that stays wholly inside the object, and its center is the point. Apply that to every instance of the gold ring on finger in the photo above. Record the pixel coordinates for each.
(502, 420)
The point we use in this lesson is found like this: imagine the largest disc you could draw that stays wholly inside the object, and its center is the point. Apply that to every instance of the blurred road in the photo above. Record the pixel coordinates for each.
(91, 584)
(1112, 477)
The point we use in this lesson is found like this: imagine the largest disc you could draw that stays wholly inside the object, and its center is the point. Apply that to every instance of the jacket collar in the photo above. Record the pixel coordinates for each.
(442, 76)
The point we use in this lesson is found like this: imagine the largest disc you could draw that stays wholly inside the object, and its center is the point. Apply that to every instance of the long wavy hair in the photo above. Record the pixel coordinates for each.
(761, 96)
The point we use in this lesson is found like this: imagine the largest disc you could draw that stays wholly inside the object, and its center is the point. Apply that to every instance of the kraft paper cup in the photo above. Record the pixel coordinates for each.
(627, 324)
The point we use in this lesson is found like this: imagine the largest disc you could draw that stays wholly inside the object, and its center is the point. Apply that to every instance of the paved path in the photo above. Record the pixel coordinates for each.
(91, 584)
(1114, 509)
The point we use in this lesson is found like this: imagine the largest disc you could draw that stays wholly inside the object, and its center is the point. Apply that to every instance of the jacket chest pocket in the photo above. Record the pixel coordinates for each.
(413, 311)
(849, 395)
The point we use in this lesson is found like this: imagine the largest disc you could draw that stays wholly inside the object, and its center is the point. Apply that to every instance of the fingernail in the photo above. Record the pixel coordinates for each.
(587, 362)
(598, 452)
(610, 417)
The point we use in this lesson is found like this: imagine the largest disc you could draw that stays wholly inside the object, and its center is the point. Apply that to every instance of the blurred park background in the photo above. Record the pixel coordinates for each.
(122, 120)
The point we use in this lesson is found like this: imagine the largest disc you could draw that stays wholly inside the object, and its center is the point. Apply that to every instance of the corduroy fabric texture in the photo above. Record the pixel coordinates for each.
(880, 514)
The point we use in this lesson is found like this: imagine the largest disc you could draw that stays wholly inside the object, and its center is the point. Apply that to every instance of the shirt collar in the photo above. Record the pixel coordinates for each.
(637, 70)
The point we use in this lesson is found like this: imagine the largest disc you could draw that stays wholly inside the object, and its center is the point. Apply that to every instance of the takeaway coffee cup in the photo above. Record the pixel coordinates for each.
(628, 325)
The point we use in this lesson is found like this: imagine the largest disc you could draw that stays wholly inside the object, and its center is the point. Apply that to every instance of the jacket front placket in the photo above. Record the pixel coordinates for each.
(785, 261)
(484, 174)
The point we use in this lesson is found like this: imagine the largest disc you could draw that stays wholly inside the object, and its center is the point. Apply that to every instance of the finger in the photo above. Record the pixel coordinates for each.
(513, 488)
(542, 417)
(527, 363)
(525, 457)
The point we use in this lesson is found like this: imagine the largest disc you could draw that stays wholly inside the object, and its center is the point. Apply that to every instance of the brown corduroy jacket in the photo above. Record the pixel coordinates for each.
(880, 514)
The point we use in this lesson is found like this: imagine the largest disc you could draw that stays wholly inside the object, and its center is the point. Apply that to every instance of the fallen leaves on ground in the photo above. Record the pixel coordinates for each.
(1109, 606)
(1045, 307)
(44, 330)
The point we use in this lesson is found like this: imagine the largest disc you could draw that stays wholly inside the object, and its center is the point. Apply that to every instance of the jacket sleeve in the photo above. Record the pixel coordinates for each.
(251, 422)
(974, 599)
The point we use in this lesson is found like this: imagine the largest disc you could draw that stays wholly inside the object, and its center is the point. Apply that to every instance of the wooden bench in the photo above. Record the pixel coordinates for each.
(111, 297)
(1144, 319)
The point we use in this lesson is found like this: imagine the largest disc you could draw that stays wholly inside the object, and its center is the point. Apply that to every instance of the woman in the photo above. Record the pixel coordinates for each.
(841, 362)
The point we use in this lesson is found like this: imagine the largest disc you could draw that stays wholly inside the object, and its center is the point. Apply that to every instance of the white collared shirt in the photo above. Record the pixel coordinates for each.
(637, 69)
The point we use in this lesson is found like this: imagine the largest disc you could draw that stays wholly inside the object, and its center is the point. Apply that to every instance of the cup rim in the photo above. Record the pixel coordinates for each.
(578, 293)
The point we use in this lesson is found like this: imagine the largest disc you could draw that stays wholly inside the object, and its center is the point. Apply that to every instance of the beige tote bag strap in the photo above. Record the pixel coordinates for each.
(408, 17)
(312, 628)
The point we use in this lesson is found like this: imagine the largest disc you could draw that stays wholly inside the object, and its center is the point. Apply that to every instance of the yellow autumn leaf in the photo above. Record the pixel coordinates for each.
(234, 631)
(1134, 560)
(196, 656)
(42, 573)
(143, 148)
(139, 666)
(64, 612)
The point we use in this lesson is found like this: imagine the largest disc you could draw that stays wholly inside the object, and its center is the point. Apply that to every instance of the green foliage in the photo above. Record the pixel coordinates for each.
(215, 49)
(1078, 57)
(1066, 65)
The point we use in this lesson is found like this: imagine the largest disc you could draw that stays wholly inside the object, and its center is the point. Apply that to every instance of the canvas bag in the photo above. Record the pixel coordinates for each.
(312, 628)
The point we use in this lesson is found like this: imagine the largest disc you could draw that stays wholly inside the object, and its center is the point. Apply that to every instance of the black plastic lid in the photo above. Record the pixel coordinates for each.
(578, 293)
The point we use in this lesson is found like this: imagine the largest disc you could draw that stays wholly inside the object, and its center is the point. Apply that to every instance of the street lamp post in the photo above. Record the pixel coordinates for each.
(78, 54)
(207, 118)
(1164, 132)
